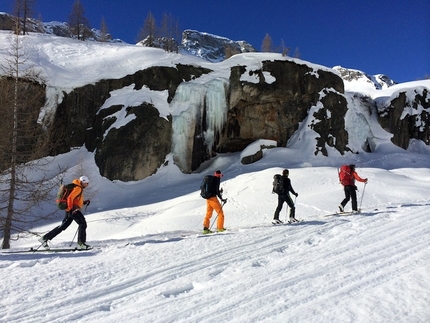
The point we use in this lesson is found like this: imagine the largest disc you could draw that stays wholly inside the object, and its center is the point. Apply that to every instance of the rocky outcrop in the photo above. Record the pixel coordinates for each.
(407, 116)
(133, 151)
(274, 110)
(262, 109)
(21, 113)
(7, 22)
(210, 47)
(267, 99)
(137, 150)
(378, 81)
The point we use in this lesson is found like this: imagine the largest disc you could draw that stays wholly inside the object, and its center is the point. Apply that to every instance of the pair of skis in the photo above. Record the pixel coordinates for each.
(338, 213)
(53, 250)
(290, 221)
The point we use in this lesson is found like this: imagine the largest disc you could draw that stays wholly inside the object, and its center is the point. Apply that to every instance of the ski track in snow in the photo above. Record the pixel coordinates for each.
(353, 285)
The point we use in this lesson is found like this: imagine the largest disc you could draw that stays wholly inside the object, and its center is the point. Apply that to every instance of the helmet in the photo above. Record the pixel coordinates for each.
(285, 172)
(352, 167)
(84, 180)
(218, 174)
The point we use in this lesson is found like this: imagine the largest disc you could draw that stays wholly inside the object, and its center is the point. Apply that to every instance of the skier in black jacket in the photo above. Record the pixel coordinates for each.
(284, 196)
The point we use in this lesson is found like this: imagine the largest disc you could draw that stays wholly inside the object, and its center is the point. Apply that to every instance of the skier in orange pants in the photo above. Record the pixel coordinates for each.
(212, 203)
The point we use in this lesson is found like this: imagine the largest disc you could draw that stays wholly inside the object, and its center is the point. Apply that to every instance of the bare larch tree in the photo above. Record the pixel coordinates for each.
(267, 45)
(79, 24)
(23, 143)
(170, 33)
(22, 9)
(104, 32)
(148, 31)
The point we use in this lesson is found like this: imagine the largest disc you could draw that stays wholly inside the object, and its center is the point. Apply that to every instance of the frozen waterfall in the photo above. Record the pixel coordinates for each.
(191, 103)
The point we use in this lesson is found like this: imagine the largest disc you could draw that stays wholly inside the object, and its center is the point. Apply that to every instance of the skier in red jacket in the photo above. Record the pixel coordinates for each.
(347, 176)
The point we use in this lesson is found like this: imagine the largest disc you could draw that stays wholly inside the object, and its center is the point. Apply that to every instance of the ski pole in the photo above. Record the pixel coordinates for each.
(217, 214)
(38, 247)
(213, 222)
(87, 202)
(74, 237)
(362, 195)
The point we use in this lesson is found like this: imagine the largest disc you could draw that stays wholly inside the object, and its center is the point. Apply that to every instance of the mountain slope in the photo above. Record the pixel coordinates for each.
(368, 267)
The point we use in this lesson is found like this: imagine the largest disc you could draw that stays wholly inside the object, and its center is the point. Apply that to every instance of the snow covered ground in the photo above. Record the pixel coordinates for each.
(150, 264)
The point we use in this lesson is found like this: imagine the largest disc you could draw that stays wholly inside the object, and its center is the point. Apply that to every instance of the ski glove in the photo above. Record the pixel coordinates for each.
(87, 202)
(224, 200)
(297, 194)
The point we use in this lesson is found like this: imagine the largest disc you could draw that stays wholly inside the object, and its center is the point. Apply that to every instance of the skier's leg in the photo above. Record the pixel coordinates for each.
(82, 230)
(218, 209)
(290, 203)
(347, 196)
(354, 199)
(209, 211)
(67, 220)
(278, 208)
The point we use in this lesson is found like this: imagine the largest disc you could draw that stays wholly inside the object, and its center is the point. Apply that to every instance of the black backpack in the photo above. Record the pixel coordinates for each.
(278, 184)
(206, 188)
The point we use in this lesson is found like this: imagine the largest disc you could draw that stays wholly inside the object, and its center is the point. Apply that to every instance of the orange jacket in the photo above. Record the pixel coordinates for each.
(75, 200)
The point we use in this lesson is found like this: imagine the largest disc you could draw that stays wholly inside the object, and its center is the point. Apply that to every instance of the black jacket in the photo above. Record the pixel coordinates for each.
(287, 186)
(216, 181)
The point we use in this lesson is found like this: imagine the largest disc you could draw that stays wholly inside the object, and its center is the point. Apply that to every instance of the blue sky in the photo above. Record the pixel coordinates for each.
(388, 37)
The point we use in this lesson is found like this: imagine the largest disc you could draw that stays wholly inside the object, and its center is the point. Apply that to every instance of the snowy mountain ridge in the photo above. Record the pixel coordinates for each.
(211, 47)
(355, 80)
(204, 45)
(57, 28)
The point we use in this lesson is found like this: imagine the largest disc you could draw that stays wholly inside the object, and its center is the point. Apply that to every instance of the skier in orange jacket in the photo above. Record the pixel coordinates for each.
(75, 201)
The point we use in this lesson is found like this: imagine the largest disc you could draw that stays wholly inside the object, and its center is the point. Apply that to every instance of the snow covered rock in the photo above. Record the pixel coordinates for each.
(211, 47)
(357, 81)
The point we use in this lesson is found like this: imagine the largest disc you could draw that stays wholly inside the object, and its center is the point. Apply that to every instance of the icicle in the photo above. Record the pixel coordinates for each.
(187, 110)
(216, 110)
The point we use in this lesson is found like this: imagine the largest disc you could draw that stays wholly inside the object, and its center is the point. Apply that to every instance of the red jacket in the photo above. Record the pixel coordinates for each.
(350, 180)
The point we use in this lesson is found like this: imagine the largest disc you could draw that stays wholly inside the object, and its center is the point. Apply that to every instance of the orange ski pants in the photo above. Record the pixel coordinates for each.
(212, 204)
